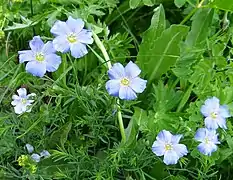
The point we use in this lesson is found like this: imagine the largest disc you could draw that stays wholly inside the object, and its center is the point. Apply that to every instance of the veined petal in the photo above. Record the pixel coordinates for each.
(15, 97)
(138, 84)
(170, 157)
(113, 87)
(61, 44)
(60, 28)
(211, 105)
(45, 154)
(211, 123)
(85, 36)
(48, 48)
(36, 68)
(26, 55)
(78, 50)
(75, 25)
(207, 149)
(36, 44)
(22, 92)
(224, 111)
(18, 109)
(176, 138)
(52, 62)
(164, 136)
(117, 71)
(222, 122)
(127, 93)
(200, 134)
(158, 148)
(132, 70)
(180, 150)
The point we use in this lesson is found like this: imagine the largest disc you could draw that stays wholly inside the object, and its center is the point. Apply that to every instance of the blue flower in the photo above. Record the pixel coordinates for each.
(22, 102)
(167, 145)
(124, 82)
(45, 154)
(70, 35)
(208, 139)
(29, 148)
(41, 57)
(36, 157)
(215, 113)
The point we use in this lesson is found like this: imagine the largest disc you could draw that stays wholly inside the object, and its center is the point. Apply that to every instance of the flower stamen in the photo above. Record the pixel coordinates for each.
(40, 57)
(213, 115)
(72, 38)
(125, 82)
(168, 147)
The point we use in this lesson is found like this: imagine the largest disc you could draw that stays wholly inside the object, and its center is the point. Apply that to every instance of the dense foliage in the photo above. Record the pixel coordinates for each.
(184, 50)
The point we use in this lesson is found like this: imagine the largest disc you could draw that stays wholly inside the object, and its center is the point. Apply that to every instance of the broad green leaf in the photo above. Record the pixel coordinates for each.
(134, 3)
(200, 27)
(226, 5)
(179, 3)
(161, 53)
(148, 2)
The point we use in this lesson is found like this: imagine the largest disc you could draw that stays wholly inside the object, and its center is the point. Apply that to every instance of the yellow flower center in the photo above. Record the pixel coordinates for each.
(125, 82)
(72, 38)
(168, 147)
(24, 101)
(214, 115)
(39, 57)
(206, 140)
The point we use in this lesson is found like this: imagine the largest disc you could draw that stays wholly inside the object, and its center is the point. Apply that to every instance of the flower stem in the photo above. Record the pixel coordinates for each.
(109, 65)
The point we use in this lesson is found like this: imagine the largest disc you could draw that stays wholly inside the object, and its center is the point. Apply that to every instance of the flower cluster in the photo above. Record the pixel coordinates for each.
(69, 35)
(167, 145)
(37, 157)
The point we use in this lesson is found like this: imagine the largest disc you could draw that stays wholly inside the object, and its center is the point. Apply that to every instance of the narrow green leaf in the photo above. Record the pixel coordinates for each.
(161, 53)
(148, 2)
(226, 5)
(200, 26)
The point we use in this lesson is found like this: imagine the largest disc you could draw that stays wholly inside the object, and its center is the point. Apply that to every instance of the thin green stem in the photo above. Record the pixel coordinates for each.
(109, 65)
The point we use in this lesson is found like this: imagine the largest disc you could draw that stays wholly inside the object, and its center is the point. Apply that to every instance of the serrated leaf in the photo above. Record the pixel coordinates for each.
(226, 5)
(200, 26)
(179, 3)
(161, 53)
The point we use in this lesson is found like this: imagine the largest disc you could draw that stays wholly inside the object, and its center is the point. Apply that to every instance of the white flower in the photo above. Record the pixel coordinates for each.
(29, 148)
(45, 154)
(22, 102)
(36, 157)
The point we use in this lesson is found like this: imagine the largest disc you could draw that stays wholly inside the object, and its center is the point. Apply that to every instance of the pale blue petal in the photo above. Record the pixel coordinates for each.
(221, 122)
(18, 109)
(127, 93)
(35, 157)
(132, 70)
(61, 44)
(113, 87)
(158, 148)
(207, 149)
(45, 154)
(48, 48)
(78, 50)
(60, 28)
(75, 25)
(85, 36)
(224, 111)
(200, 134)
(170, 157)
(180, 149)
(26, 55)
(212, 136)
(117, 71)
(138, 84)
(164, 136)
(29, 148)
(211, 123)
(22, 92)
(36, 68)
(211, 105)
(52, 62)
(176, 138)
(36, 44)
